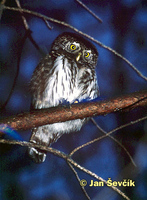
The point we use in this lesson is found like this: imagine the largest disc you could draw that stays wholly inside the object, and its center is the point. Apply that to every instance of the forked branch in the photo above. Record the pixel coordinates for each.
(66, 157)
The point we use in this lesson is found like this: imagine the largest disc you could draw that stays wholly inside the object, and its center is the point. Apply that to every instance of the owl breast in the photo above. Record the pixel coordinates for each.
(63, 84)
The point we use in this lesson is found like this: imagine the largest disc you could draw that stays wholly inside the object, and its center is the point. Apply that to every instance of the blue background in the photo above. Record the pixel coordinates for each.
(124, 29)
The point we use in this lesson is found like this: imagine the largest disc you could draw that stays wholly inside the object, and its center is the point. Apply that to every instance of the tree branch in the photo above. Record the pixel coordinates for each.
(67, 158)
(114, 139)
(23, 18)
(43, 17)
(77, 177)
(106, 135)
(90, 11)
(52, 115)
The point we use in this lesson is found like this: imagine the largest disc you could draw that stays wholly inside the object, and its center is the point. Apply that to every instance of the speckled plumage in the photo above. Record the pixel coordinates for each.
(66, 74)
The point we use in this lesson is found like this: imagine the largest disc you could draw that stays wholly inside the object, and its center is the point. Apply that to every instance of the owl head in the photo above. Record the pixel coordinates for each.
(75, 48)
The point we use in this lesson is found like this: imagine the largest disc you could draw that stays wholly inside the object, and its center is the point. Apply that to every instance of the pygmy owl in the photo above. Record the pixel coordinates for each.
(66, 74)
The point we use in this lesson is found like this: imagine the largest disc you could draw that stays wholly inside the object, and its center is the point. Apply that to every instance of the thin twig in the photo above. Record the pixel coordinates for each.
(47, 24)
(122, 146)
(64, 156)
(23, 18)
(27, 35)
(80, 32)
(17, 70)
(77, 176)
(101, 137)
(28, 29)
(90, 11)
(3, 2)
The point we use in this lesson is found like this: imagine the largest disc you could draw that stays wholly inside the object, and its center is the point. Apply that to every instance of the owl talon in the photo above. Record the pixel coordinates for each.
(64, 103)
(36, 155)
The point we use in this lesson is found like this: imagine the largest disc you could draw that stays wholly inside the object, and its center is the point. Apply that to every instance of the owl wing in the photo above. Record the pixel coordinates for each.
(38, 84)
(39, 81)
(89, 85)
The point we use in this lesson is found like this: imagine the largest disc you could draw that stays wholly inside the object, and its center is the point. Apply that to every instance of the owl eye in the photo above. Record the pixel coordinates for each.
(73, 47)
(86, 54)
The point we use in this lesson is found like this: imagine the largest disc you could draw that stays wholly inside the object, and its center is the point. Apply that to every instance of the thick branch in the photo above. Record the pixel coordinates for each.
(37, 118)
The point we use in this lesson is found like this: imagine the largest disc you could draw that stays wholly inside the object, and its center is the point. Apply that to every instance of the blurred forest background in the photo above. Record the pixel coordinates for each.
(124, 29)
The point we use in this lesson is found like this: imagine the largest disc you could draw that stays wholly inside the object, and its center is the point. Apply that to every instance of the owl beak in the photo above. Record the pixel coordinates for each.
(78, 57)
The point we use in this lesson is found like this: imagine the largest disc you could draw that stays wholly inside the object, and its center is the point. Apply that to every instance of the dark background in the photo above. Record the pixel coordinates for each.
(124, 29)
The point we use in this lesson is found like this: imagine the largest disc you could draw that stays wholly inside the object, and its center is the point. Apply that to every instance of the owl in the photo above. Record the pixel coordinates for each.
(65, 75)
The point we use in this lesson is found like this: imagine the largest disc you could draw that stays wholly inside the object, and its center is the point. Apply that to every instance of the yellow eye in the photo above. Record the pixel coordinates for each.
(87, 54)
(73, 47)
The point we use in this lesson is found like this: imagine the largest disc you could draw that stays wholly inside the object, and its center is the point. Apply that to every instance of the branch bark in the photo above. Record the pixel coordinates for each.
(52, 115)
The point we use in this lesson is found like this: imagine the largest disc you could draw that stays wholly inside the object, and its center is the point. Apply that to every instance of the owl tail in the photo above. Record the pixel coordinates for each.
(37, 155)
(38, 137)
